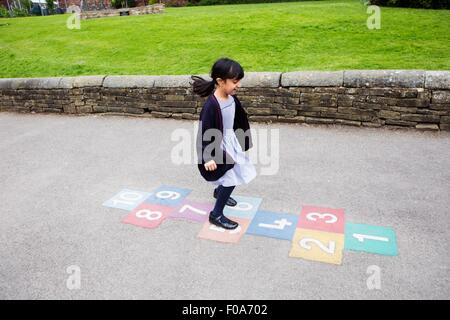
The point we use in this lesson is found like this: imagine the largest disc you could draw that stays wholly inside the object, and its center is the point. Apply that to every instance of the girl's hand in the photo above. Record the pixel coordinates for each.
(210, 165)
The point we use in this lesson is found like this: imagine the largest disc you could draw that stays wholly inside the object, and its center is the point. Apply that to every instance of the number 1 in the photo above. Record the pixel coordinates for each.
(361, 237)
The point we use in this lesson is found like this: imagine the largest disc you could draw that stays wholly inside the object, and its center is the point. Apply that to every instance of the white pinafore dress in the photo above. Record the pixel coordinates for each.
(243, 170)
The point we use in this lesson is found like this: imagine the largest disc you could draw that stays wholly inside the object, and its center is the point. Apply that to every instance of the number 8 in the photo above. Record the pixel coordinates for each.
(148, 214)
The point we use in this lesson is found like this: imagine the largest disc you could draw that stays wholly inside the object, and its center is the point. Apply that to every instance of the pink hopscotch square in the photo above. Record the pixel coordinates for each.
(212, 232)
(192, 210)
(148, 215)
(322, 219)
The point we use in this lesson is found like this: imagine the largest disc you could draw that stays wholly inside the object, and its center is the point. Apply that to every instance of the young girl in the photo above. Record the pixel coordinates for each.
(223, 116)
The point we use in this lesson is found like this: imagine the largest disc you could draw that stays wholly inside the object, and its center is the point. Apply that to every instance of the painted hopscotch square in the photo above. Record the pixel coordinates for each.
(317, 246)
(168, 196)
(148, 215)
(192, 210)
(246, 207)
(273, 225)
(322, 219)
(372, 239)
(127, 199)
(212, 232)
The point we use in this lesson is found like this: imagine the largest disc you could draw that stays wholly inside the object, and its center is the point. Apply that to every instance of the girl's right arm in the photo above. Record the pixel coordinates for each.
(210, 165)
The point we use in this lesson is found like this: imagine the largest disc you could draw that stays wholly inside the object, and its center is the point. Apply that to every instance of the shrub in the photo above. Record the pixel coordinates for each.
(122, 4)
(221, 2)
(4, 13)
(17, 12)
(427, 4)
(26, 3)
(175, 3)
(50, 6)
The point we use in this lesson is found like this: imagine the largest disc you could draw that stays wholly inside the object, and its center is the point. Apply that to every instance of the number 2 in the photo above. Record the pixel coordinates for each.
(304, 243)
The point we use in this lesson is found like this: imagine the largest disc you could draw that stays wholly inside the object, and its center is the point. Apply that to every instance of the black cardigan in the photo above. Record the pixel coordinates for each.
(211, 117)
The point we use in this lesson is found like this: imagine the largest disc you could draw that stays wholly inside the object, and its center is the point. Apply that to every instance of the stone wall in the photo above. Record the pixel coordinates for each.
(154, 8)
(87, 4)
(368, 98)
(95, 4)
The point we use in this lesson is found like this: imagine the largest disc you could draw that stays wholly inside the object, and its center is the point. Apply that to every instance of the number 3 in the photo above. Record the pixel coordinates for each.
(310, 216)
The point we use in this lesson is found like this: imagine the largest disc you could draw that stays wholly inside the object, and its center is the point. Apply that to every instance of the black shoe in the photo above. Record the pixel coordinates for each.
(223, 222)
(230, 201)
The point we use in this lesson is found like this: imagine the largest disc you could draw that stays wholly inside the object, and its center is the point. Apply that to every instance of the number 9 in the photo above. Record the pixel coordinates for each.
(166, 194)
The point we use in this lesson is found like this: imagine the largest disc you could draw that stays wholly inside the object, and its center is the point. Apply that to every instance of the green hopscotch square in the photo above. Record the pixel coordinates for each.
(372, 239)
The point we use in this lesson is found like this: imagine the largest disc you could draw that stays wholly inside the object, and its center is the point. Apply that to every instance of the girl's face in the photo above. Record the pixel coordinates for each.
(229, 86)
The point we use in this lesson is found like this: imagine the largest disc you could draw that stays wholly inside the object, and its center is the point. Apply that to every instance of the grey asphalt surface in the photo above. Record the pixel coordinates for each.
(57, 170)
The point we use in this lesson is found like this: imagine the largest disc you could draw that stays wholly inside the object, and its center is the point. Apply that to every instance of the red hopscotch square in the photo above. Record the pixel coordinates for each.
(148, 215)
(323, 219)
(212, 232)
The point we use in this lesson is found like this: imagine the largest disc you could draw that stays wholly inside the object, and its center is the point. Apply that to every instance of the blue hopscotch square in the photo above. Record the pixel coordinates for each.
(273, 225)
(372, 239)
(246, 207)
(168, 196)
(127, 199)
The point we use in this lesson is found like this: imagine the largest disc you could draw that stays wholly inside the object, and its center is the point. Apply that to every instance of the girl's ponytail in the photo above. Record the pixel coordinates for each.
(202, 87)
(224, 68)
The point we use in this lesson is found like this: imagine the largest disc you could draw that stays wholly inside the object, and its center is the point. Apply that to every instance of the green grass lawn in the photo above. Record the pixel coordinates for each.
(315, 35)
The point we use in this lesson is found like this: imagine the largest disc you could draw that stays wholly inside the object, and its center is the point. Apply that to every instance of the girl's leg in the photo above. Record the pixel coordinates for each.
(230, 201)
(223, 193)
(216, 216)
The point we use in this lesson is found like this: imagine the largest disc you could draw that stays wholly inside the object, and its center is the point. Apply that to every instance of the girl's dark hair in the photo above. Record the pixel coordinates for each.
(223, 68)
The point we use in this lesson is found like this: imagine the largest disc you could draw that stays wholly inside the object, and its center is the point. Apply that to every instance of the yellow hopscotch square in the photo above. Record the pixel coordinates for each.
(317, 246)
